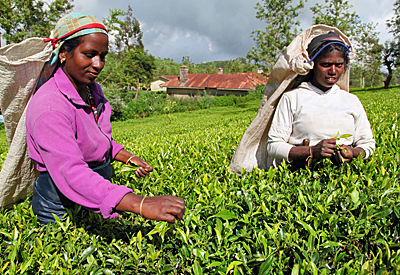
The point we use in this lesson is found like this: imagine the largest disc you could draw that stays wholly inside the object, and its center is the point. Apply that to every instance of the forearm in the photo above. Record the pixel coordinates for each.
(123, 156)
(130, 202)
(299, 153)
(161, 208)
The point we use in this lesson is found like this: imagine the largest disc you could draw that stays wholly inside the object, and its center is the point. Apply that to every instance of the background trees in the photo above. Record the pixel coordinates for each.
(280, 29)
(366, 68)
(30, 18)
(126, 31)
(371, 56)
(336, 13)
(131, 64)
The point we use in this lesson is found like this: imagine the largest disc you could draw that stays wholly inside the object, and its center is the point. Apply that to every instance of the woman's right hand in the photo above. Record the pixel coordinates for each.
(163, 208)
(324, 149)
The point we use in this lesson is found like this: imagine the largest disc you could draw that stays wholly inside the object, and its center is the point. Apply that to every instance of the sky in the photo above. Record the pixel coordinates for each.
(213, 30)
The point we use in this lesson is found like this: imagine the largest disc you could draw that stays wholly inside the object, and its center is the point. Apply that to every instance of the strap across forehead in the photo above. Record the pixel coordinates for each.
(320, 42)
(326, 45)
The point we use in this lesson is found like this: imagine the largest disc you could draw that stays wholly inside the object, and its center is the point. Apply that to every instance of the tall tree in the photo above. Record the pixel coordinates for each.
(30, 18)
(391, 49)
(390, 55)
(337, 13)
(187, 61)
(394, 23)
(127, 69)
(281, 28)
(368, 53)
(126, 30)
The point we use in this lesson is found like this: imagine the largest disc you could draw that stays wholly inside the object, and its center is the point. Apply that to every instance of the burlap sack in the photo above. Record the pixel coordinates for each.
(252, 149)
(20, 67)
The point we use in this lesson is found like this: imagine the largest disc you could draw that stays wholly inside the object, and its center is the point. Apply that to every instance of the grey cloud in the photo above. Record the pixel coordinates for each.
(208, 30)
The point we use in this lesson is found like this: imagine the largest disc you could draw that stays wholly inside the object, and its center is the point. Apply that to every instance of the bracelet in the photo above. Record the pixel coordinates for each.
(129, 159)
(309, 157)
(141, 205)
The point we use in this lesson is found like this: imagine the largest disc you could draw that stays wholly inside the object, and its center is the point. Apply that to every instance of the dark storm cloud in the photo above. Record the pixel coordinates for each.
(208, 30)
(205, 30)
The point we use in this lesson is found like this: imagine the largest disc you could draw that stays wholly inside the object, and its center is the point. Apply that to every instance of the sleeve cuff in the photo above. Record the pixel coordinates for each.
(107, 207)
(116, 147)
(279, 150)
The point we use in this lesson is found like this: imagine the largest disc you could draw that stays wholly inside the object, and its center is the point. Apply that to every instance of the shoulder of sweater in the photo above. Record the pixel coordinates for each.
(49, 98)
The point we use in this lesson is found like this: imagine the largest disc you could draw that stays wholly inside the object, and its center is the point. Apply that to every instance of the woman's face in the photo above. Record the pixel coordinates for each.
(328, 69)
(83, 65)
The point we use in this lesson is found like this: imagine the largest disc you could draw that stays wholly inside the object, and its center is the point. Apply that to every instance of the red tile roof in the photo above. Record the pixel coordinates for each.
(237, 81)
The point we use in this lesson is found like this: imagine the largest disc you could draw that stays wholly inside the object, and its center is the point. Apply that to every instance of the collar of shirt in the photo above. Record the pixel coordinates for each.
(68, 90)
(307, 85)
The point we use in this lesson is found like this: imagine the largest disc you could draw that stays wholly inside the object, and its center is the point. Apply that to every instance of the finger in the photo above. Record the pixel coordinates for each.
(331, 140)
(327, 153)
(176, 201)
(177, 212)
(139, 173)
(148, 168)
(169, 218)
(144, 172)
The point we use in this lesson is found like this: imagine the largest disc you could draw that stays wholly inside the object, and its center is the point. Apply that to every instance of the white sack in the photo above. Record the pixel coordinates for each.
(20, 68)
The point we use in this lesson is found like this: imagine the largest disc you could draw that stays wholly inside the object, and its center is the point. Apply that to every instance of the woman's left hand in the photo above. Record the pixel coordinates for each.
(129, 159)
(346, 152)
(144, 168)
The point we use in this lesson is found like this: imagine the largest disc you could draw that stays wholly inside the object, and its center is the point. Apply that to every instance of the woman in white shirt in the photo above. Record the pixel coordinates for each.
(309, 116)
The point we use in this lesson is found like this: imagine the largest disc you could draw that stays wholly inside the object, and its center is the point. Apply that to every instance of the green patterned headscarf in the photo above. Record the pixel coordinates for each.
(73, 25)
(68, 27)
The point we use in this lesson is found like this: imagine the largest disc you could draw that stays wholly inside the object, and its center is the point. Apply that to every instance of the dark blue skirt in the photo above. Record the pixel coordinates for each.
(48, 200)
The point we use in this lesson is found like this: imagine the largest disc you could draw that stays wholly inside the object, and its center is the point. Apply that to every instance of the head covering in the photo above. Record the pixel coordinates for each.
(68, 27)
(252, 149)
(320, 42)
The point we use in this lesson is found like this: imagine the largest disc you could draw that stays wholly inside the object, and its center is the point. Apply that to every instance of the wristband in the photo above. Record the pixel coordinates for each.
(141, 205)
(129, 159)
(310, 156)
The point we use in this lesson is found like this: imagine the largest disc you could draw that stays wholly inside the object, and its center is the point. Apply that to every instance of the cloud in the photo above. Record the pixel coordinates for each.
(209, 30)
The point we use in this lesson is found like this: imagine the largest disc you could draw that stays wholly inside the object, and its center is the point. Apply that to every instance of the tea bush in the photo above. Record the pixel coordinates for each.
(329, 221)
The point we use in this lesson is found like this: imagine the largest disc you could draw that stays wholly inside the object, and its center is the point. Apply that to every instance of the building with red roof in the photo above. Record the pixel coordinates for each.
(212, 84)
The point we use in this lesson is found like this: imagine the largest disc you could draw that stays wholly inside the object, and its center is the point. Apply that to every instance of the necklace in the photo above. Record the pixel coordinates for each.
(91, 102)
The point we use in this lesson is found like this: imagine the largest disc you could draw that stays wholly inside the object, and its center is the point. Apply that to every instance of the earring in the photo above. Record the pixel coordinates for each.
(62, 60)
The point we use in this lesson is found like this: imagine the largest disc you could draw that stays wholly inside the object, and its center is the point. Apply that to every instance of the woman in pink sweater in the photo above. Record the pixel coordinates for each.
(69, 134)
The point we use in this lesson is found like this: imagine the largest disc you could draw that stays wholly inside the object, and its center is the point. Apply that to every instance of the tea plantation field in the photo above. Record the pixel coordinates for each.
(331, 221)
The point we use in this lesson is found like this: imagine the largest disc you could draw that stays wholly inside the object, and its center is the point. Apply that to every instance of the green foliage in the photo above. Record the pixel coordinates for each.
(152, 103)
(166, 67)
(390, 53)
(280, 30)
(126, 31)
(329, 221)
(239, 65)
(169, 109)
(366, 70)
(336, 13)
(258, 93)
(127, 69)
(30, 18)
(394, 23)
